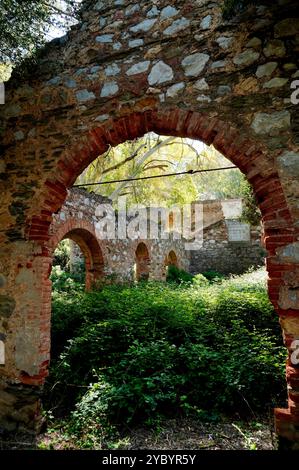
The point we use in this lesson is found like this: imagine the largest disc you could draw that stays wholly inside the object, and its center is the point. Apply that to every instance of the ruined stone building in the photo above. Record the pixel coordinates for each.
(113, 256)
(228, 245)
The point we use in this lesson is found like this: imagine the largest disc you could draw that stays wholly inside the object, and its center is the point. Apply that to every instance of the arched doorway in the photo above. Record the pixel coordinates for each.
(86, 240)
(68, 262)
(172, 259)
(142, 262)
(265, 181)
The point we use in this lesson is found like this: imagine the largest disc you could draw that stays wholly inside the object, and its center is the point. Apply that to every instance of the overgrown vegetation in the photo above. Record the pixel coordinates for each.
(177, 275)
(131, 354)
(67, 273)
(213, 276)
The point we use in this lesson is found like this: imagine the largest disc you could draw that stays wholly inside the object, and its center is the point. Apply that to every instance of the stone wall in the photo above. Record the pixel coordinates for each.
(221, 251)
(219, 254)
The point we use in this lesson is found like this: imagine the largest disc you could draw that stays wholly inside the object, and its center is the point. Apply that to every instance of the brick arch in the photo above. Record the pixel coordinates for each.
(81, 232)
(142, 260)
(170, 259)
(250, 156)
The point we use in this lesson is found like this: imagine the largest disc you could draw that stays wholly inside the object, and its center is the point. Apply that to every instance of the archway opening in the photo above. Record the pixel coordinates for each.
(143, 256)
(256, 180)
(68, 266)
(172, 259)
(142, 263)
(79, 253)
(171, 262)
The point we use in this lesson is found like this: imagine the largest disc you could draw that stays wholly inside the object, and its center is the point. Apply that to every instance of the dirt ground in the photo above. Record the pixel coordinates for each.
(169, 435)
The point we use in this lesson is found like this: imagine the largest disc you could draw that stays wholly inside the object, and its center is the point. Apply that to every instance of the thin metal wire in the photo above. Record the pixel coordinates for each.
(189, 172)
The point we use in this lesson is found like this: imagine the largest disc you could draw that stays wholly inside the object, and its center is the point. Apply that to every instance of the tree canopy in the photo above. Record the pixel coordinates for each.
(25, 25)
(154, 155)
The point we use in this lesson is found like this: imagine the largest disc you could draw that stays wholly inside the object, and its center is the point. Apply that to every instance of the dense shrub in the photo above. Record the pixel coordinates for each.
(63, 281)
(162, 349)
(213, 275)
(177, 275)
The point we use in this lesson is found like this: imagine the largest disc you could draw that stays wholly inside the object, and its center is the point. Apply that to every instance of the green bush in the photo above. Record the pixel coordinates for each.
(63, 281)
(177, 275)
(199, 280)
(213, 276)
(158, 349)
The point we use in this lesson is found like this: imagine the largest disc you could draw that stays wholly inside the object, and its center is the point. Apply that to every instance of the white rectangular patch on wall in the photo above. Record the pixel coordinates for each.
(238, 231)
(232, 208)
(2, 353)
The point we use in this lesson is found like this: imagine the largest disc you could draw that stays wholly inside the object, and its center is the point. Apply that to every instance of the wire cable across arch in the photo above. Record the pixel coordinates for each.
(189, 172)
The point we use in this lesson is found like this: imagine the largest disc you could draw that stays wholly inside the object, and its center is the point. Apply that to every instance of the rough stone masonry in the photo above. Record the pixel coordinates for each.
(176, 68)
(229, 246)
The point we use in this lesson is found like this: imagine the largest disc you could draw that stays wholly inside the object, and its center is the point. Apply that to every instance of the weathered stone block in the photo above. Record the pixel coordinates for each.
(266, 70)
(276, 82)
(160, 73)
(288, 163)
(144, 26)
(176, 26)
(85, 95)
(264, 123)
(140, 67)
(286, 28)
(247, 57)
(194, 64)
(275, 48)
(109, 89)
